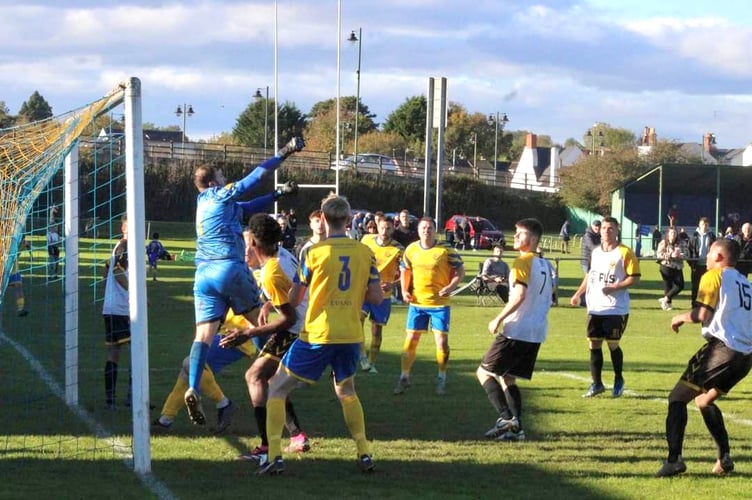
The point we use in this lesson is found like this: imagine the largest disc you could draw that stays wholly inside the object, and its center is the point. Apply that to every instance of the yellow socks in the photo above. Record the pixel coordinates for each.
(356, 423)
(275, 421)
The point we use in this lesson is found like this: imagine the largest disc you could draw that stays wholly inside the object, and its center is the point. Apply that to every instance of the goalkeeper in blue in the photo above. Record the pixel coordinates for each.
(223, 280)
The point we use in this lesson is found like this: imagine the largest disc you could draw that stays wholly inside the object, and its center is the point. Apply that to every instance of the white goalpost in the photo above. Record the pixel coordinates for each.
(30, 157)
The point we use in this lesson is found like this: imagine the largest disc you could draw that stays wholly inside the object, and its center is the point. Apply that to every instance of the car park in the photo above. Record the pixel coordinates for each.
(367, 162)
(490, 235)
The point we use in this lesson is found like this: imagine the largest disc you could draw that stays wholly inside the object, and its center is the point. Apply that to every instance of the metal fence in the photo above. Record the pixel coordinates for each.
(229, 153)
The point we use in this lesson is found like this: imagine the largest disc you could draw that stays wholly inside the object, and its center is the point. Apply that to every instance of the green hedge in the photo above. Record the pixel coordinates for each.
(171, 195)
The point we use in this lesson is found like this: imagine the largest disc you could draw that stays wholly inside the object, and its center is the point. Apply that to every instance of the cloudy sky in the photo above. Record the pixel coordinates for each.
(554, 66)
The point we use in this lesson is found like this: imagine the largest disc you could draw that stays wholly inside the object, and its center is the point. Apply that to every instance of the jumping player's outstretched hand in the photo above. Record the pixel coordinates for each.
(234, 338)
(289, 188)
(293, 146)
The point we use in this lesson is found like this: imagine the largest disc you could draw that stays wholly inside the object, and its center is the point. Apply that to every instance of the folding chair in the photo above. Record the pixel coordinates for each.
(485, 294)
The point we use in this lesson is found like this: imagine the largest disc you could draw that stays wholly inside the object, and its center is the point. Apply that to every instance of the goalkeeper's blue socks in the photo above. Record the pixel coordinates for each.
(196, 362)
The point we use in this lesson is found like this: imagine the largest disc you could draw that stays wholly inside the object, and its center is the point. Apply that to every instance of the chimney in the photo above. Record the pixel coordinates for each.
(652, 137)
(708, 142)
(531, 141)
(645, 136)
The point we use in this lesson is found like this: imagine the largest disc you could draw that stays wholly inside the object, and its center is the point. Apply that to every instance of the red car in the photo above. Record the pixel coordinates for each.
(489, 234)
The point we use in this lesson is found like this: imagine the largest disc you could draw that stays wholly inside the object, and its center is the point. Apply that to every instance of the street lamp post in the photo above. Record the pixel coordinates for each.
(257, 96)
(499, 123)
(357, 38)
(185, 112)
(474, 140)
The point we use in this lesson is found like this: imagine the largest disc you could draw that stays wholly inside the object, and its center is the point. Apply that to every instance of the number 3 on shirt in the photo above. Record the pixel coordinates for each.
(344, 275)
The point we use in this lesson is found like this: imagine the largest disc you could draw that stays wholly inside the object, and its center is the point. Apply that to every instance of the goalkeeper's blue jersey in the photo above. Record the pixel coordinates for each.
(219, 232)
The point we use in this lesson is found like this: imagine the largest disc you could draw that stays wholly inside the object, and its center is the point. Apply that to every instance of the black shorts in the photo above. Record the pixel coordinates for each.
(715, 366)
(610, 327)
(117, 329)
(511, 357)
(278, 344)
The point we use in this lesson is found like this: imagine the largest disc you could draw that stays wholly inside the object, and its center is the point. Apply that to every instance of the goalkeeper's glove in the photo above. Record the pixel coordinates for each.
(288, 188)
(296, 144)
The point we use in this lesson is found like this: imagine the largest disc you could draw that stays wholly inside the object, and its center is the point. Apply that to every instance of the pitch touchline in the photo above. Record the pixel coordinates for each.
(121, 449)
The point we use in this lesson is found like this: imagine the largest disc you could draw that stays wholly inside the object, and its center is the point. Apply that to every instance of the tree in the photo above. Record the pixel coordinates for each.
(409, 120)
(249, 127)
(6, 119)
(589, 182)
(322, 125)
(604, 136)
(35, 109)
(385, 143)
(222, 138)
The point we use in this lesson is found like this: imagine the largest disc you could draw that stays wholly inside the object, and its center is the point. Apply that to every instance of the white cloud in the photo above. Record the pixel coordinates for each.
(555, 66)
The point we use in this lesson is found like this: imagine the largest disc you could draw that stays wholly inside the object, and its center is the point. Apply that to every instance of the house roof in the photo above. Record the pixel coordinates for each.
(544, 161)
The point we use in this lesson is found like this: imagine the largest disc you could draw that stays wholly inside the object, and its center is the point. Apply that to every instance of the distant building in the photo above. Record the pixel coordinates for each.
(539, 169)
(706, 152)
(115, 131)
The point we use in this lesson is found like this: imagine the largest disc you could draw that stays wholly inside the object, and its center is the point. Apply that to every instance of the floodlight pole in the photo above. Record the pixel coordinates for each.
(357, 38)
(185, 112)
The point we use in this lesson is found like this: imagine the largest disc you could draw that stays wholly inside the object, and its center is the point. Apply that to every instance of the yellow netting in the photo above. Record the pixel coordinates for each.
(29, 157)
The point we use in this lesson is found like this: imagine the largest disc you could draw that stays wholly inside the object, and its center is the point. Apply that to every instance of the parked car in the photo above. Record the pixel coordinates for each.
(367, 162)
(490, 235)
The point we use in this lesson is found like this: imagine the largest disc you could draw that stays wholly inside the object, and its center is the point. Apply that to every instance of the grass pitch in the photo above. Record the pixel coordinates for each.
(425, 446)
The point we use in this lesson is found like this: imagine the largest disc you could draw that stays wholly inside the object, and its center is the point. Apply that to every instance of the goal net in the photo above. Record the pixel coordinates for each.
(62, 197)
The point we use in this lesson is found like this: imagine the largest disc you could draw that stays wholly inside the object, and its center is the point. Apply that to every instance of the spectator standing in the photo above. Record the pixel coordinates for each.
(477, 232)
(371, 229)
(288, 236)
(657, 237)
(406, 232)
(292, 220)
(53, 252)
(460, 226)
(673, 215)
(670, 256)
(564, 237)
(699, 245)
(683, 237)
(744, 238)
